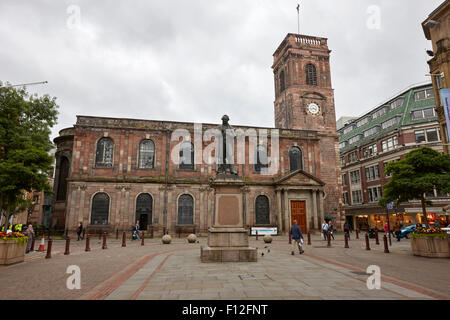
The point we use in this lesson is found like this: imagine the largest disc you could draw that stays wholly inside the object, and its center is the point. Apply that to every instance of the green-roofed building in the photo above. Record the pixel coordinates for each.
(384, 134)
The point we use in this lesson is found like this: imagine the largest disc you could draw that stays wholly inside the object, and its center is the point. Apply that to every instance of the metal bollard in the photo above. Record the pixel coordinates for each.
(386, 249)
(309, 238)
(104, 241)
(367, 242)
(256, 235)
(357, 234)
(117, 234)
(88, 248)
(142, 240)
(32, 244)
(124, 239)
(346, 240)
(290, 237)
(67, 246)
(328, 239)
(49, 249)
(377, 241)
(151, 235)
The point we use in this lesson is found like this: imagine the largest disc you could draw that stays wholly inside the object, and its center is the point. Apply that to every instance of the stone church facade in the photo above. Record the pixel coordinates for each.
(111, 172)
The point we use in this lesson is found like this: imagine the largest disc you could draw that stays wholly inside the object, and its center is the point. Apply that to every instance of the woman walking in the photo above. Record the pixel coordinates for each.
(30, 234)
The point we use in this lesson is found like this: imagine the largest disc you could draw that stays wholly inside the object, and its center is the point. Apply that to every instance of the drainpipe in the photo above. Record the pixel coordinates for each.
(166, 180)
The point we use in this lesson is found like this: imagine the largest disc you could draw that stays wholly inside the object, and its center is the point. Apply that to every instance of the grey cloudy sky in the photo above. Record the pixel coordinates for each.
(196, 60)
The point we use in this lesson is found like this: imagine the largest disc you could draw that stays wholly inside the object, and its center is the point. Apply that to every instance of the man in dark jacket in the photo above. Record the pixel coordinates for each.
(297, 236)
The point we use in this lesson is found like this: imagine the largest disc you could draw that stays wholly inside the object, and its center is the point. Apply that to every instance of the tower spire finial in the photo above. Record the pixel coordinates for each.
(298, 18)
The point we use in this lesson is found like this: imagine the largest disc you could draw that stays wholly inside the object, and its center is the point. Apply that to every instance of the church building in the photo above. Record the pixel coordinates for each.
(112, 172)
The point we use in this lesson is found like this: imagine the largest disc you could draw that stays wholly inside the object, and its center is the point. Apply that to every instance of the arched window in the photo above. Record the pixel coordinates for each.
(100, 209)
(262, 210)
(311, 75)
(282, 81)
(187, 156)
(62, 180)
(262, 160)
(185, 210)
(295, 159)
(146, 154)
(104, 154)
(144, 208)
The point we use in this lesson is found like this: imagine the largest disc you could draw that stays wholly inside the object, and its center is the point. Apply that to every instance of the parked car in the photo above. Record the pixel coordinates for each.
(446, 229)
(407, 230)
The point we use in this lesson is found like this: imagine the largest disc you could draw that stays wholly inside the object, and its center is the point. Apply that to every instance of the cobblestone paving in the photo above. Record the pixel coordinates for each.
(157, 271)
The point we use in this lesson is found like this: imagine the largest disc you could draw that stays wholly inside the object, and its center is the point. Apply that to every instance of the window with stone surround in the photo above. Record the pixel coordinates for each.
(356, 197)
(311, 75)
(370, 151)
(375, 194)
(185, 210)
(424, 94)
(262, 161)
(100, 209)
(144, 206)
(104, 153)
(372, 173)
(62, 181)
(187, 156)
(146, 154)
(262, 210)
(295, 159)
(355, 177)
(389, 144)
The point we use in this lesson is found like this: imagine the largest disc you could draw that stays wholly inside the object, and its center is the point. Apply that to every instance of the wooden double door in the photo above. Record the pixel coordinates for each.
(298, 212)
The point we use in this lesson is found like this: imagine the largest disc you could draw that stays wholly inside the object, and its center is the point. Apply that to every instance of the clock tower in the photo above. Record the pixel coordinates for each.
(304, 99)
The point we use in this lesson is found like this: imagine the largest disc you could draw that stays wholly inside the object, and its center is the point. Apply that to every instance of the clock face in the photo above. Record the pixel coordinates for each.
(313, 108)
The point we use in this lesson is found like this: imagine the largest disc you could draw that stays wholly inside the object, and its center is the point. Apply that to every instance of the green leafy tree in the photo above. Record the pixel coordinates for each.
(421, 171)
(25, 122)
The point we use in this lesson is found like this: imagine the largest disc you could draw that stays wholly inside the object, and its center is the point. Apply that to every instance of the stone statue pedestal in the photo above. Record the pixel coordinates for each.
(228, 239)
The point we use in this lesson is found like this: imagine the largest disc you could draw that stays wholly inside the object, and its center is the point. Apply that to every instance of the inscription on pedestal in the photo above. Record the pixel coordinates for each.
(228, 210)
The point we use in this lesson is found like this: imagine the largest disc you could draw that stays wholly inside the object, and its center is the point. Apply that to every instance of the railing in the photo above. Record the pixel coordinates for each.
(308, 40)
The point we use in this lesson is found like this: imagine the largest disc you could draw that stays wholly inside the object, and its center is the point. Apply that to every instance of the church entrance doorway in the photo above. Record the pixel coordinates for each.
(298, 212)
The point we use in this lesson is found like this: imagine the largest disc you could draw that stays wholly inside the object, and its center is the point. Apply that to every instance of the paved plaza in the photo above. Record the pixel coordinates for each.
(174, 272)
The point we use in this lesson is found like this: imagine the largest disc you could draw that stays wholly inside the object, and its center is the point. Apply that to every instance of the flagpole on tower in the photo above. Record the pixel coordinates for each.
(298, 18)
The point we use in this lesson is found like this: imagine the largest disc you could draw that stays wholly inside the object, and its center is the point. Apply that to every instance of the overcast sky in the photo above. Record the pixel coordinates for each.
(199, 59)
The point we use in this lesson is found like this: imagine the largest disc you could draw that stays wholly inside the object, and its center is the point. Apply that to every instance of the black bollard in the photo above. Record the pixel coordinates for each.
(67, 252)
(88, 248)
(328, 239)
(117, 234)
(346, 240)
(309, 238)
(290, 237)
(49, 249)
(32, 244)
(256, 235)
(377, 241)
(367, 242)
(104, 241)
(357, 234)
(142, 240)
(124, 239)
(386, 249)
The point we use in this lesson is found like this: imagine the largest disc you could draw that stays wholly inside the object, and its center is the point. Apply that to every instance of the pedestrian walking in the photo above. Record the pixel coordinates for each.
(347, 229)
(136, 231)
(79, 231)
(297, 238)
(324, 230)
(360, 225)
(30, 234)
(331, 229)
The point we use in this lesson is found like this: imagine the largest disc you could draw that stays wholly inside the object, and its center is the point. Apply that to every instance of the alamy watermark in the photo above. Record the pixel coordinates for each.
(74, 280)
(374, 281)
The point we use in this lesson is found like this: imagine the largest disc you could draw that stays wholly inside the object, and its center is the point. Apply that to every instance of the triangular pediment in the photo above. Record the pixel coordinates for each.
(299, 178)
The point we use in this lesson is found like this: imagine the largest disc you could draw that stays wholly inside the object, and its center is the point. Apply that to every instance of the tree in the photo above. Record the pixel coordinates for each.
(25, 122)
(421, 171)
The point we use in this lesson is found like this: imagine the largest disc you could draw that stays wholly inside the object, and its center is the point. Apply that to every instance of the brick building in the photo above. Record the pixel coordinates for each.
(111, 172)
(384, 134)
(437, 29)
